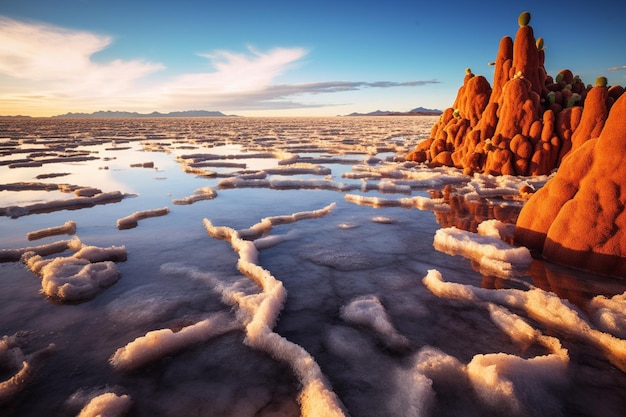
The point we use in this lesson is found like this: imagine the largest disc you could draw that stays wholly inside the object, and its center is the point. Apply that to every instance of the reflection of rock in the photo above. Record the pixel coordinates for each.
(578, 217)
(468, 214)
(525, 124)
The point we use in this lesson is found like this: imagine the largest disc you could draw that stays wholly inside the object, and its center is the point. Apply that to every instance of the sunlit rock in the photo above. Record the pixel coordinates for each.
(525, 124)
(578, 218)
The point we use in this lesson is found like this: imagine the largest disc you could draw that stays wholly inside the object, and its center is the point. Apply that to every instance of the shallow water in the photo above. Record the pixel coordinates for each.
(386, 341)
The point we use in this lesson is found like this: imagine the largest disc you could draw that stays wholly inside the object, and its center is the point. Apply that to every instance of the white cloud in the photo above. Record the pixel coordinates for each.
(60, 59)
(47, 70)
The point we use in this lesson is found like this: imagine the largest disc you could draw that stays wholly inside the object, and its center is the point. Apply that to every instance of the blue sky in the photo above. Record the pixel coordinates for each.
(280, 58)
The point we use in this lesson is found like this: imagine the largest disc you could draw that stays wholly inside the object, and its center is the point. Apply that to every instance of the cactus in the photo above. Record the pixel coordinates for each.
(540, 45)
(456, 113)
(523, 19)
(551, 97)
(468, 71)
(559, 77)
(601, 81)
(573, 100)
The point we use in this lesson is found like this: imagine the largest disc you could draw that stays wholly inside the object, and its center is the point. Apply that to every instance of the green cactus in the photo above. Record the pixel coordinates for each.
(523, 19)
(468, 71)
(601, 81)
(456, 113)
(551, 97)
(567, 87)
(540, 45)
(559, 77)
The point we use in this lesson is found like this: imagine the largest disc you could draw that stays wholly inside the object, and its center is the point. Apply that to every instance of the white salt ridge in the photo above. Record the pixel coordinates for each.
(132, 220)
(542, 306)
(267, 223)
(506, 383)
(80, 276)
(69, 228)
(609, 314)
(420, 202)
(22, 368)
(298, 169)
(369, 311)
(485, 186)
(14, 255)
(57, 205)
(204, 193)
(316, 397)
(414, 176)
(497, 229)
(158, 344)
(108, 404)
(494, 256)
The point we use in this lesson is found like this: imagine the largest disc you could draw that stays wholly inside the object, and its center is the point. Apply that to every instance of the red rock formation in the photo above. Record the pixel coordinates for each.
(578, 217)
(526, 124)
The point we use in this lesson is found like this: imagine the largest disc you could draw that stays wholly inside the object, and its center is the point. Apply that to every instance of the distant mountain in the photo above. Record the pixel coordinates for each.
(125, 114)
(424, 110)
(419, 111)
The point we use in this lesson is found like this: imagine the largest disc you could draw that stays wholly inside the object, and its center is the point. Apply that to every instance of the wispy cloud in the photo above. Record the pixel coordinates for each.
(61, 59)
(44, 66)
(623, 67)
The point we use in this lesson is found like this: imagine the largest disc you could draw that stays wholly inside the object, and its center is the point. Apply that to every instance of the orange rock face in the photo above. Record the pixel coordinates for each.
(526, 124)
(578, 217)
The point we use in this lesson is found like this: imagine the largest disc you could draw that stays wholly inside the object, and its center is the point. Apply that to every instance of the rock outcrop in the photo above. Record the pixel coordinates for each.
(578, 217)
(526, 123)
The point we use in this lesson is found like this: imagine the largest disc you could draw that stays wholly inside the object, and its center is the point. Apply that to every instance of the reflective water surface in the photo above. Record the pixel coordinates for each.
(302, 281)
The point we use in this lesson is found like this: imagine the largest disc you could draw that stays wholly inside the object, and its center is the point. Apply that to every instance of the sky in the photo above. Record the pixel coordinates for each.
(280, 58)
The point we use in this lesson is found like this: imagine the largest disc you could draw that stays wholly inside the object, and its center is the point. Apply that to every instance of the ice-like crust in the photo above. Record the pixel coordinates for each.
(298, 169)
(498, 229)
(609, 314)
(80, 276)
(316, 397)
(369, 311)
(158, 344)
(420, 202)
(108, 404)
(57, 205)
(22, 368)
(132, 220)
(204, 193)
(69, 228)
(284, 184)
(266, 224)
(494, 256)
(14, 255)
(542, 306)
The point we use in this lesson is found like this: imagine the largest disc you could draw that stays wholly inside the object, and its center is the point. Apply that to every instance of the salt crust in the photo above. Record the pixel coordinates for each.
(259, 317)
(204, 193)
(544, 307)
(57, 205)
(80, 276)
(131, 221)
(494, 256)
(108, 404)
(21, 367)
(69, 228)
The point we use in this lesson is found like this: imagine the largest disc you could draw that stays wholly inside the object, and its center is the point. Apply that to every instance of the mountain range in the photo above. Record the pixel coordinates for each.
(108, 114)
(418, 111)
